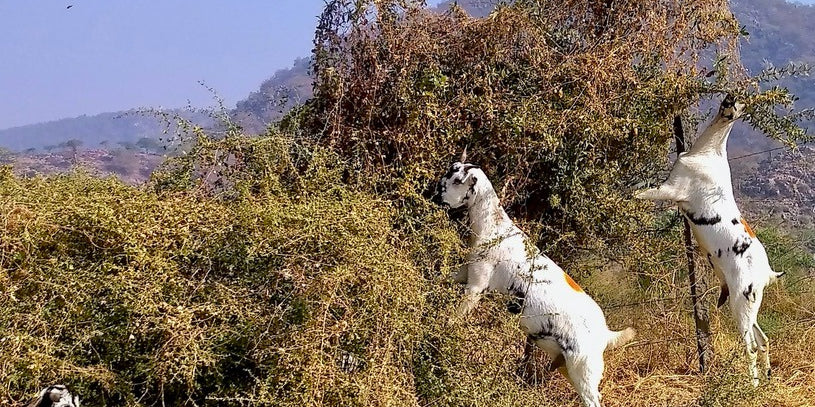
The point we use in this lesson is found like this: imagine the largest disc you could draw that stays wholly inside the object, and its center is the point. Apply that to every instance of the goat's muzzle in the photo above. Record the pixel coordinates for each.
(436, 199)
(436, 194)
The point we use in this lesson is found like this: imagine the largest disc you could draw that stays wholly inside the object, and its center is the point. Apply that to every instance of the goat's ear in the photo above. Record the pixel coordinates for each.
(469, 179)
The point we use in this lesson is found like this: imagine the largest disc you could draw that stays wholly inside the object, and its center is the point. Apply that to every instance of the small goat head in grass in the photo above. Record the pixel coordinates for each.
(55, 396)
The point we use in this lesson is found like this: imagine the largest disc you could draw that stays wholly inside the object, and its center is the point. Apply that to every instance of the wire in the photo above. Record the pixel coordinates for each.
(756, 153)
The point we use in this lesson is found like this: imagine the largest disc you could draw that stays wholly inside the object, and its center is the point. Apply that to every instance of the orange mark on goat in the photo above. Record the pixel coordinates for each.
(572, 283)
(747, 228)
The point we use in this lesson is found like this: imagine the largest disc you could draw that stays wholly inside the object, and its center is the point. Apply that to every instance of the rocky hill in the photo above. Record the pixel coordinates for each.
(782, 186)
(276, 96)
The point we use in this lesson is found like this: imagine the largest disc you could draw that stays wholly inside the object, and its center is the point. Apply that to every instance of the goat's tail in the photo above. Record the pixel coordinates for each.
(620, 338)
(776, 275)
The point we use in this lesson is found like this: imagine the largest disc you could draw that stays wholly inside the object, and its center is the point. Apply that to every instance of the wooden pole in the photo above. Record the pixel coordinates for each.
(700, 310)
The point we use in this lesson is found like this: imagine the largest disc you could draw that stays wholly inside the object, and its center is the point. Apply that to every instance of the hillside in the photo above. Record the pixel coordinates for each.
(105, 130)
(130, 166)
(276, 96)
(782, 187)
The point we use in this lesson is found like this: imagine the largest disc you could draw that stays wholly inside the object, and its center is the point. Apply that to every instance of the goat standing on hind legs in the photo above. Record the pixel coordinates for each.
(555, 313)
(700, 185)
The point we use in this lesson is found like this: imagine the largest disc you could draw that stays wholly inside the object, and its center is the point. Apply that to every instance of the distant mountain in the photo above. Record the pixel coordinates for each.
(102, 130)
(277, 95)
(779, 33)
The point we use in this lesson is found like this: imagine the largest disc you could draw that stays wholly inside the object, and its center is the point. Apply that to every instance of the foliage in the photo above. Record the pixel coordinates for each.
(772, 110)
(303, 290)
(566, 105)
(252, 272)
(140, 297)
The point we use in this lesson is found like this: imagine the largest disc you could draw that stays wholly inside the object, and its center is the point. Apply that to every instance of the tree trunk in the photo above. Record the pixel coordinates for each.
(700, 310)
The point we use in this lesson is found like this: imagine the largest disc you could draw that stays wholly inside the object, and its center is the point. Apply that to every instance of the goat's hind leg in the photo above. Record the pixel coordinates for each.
(763, 349)
(585, 374)
(762, 343)
(745, 315)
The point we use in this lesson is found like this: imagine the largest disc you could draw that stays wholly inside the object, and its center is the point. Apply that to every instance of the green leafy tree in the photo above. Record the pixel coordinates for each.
(149, 144)
(129, 146)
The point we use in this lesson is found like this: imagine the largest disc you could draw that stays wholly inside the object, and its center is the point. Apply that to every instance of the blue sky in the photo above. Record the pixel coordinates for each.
(109, 55)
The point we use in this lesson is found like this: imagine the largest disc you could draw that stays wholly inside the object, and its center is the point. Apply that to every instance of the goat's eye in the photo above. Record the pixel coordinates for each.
(456, 181)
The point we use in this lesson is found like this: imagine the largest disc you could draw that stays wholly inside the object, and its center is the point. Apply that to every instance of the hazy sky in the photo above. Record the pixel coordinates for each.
(108, 55)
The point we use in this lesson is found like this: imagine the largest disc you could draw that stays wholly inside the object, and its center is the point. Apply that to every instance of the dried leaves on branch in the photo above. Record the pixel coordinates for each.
(568, 104)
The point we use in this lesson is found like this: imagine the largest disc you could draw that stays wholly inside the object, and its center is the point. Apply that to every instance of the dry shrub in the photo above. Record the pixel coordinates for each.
(567, 105)
(139, 297)
(290, 288)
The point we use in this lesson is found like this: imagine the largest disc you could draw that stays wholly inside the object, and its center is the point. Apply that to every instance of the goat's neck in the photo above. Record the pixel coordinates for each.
(487, 218)
(714, 139)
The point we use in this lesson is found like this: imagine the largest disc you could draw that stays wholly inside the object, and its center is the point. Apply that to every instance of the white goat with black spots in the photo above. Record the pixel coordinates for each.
(55, 396)
(699, 183)
(555, 313)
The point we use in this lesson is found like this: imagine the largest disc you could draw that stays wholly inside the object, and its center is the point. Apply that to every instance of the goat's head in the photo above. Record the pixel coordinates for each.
(731, 109)
(457, 187)
(56, 396)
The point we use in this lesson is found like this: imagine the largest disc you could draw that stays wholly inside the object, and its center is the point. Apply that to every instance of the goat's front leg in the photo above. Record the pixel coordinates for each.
(460, 276)
(663, 193)
(478, 280)
(526, 369)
